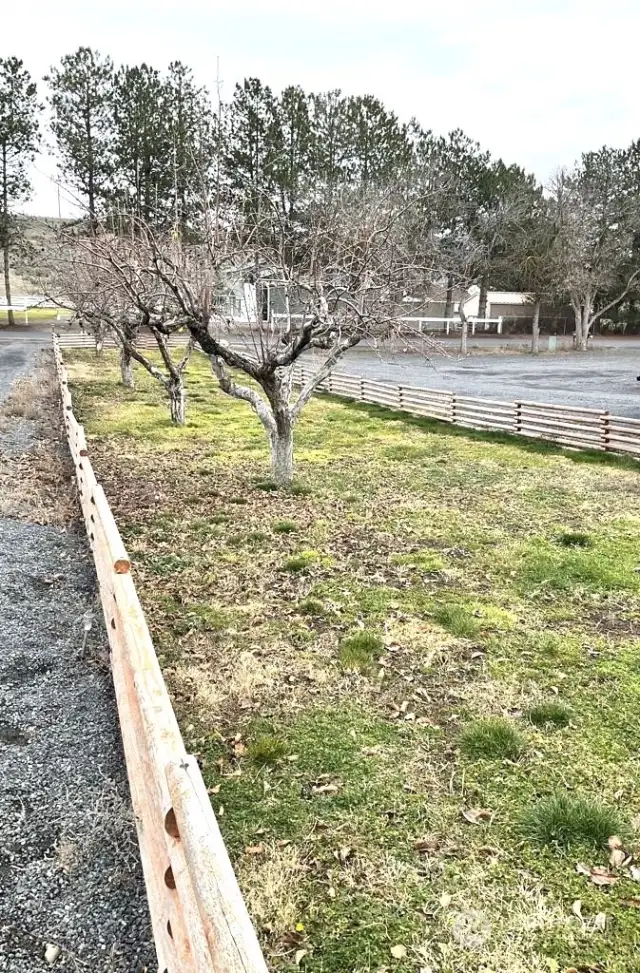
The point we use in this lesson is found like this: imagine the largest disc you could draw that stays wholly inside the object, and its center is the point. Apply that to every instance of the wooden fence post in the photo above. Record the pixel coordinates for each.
(453, 407)
(362, 398)
(605, 430)
(400, 397)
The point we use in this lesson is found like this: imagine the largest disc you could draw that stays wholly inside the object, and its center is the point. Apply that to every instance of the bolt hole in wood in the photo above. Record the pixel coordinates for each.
(170, 823)
(169, 879)
(169, 930)
(113, 623)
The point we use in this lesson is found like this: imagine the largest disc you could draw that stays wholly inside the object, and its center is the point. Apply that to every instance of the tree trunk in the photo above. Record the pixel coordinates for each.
(482, 300)
(535, 330)
(583, 336)
(176, 397)
(463, 335)
(448, 304)
(282, 451)
(7, 284)
(126, 368)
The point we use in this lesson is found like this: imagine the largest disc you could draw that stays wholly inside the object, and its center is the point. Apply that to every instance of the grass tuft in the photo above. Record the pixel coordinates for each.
(269, 486)
(312, 606)
(493, 737)
(266, 750)
(575, 539)
(300, 562)
(457, 619)
(285, 527)
(549, 714)
(563, 820)
(360, 651)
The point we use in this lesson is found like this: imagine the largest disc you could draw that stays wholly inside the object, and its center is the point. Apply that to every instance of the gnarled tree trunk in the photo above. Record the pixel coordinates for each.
(126, 368)
(535, 329)
(282, 450)
(177, 402)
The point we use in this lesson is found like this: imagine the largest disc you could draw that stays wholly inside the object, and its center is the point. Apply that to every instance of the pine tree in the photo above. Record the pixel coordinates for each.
(251, 144)
(18, 142)
(80, 99)
(142, 145)
(191, 136)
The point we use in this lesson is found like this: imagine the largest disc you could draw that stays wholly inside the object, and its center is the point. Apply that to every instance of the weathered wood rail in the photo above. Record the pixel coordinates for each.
(200, 922)
(562, 424)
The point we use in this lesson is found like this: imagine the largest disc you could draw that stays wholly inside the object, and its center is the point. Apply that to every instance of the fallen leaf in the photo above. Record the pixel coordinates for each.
(331, 892)
(614, 842)
(325, 789)
(634, 871)
(398, 952)
(600, 922)
(344, 853)
(426, 846)
(583, 870)
(576, 908)
(214, 790)
(617, 857)
(445, 900)
(631, 903)
(254, 850)
(602, 878)
(300, 955)
(476, 815)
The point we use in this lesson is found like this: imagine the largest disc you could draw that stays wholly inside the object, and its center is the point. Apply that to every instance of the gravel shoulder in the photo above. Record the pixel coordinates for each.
(69, 871)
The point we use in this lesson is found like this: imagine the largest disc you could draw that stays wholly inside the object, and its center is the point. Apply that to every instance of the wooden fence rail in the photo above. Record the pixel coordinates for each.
(200, 922)
(572, 426)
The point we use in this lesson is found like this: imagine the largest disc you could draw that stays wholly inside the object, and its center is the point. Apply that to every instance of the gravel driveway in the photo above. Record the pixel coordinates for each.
(71, 885)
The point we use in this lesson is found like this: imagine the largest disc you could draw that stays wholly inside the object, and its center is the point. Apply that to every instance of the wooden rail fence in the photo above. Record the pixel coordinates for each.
(200, 922)
(563, 424)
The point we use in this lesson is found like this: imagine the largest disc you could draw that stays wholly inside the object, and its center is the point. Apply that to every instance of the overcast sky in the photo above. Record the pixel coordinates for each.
(536, 83)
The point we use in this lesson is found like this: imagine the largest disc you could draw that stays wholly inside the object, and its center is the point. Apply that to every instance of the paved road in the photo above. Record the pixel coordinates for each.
(600, 379)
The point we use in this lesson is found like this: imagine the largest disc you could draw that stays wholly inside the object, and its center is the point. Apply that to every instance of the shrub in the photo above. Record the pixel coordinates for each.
(493, 738)
(266, 749)
(549, 714)
(563, 820)
(360, 650)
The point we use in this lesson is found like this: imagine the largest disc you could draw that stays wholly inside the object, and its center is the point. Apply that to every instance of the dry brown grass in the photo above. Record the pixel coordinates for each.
(273, 888)
(36, 485)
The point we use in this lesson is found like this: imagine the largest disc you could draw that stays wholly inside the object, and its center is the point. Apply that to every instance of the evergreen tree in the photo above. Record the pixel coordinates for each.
(251, 144)
(379, 147)
(142, 146)
(80, 95)
(18, 142)
(191, 136)
(329, 138)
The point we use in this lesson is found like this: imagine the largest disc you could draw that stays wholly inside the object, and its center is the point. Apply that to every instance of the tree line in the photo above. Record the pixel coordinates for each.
(356, 217)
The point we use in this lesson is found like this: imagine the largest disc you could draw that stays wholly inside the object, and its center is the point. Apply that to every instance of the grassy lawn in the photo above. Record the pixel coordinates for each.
(33, 314)
(413, 681)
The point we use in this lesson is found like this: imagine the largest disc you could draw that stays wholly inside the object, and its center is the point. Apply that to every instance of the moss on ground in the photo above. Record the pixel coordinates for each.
(502, 580)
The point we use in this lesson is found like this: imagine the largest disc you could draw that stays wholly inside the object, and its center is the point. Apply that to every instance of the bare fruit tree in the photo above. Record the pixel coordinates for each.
(598, 224)
(102, 277)
(256, 296)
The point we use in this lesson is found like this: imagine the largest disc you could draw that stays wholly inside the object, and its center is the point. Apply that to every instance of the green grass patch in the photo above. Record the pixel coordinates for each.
(360, 650)
(563, 820)
(479, 575)
(550, 715)
(492, 738)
